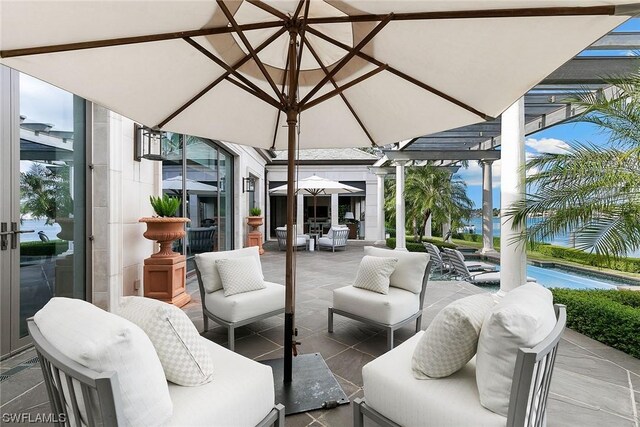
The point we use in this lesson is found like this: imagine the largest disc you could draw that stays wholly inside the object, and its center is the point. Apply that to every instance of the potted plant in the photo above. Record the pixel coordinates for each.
(254, 219)
(164, 228)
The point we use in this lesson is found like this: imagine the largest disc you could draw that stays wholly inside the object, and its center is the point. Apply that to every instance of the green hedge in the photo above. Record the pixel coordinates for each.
(413, 246)
(611, 317)
(54, 247)
(477, 238)
(629, 265)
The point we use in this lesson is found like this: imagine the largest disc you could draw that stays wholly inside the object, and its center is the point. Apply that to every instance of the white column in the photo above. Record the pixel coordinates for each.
(487, 207)
(300, 214)
(380, 204)
(334, 209)
(401, 244)
(513, 258)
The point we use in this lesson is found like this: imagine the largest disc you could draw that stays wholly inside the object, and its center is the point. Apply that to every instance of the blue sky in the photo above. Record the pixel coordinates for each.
(552, 138)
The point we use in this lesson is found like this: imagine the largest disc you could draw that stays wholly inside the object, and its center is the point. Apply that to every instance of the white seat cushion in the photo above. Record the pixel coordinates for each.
(206, 263)
(391, 389)
(451, 339)
(105, 342)
(523, 318)
(174, 337)
(409, 271)
(246, 305)
(241, 393)
(389, 309)
(325, 241)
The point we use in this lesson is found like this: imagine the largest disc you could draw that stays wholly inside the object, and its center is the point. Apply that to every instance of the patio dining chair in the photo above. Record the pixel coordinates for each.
(300, 242)
(335, 238)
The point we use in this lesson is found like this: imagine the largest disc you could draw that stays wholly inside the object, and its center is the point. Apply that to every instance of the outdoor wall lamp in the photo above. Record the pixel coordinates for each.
(249, 185)
(349, 216)
(147, 143)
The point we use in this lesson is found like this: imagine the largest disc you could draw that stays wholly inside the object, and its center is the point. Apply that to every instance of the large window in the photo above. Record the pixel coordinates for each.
(201, 174)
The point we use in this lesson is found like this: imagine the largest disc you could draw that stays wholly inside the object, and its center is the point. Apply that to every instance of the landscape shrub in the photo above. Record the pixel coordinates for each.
(611, 317)
(419, 247)
(54, 247)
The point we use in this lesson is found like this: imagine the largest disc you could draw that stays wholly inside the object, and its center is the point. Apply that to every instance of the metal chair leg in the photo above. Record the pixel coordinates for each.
(390, 338)
(205, 322)
(358, 416)
(330, 320)
(231, 338)
(418, 323)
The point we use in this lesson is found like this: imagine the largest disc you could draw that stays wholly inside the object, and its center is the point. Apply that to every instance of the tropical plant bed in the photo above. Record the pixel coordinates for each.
(611, 317)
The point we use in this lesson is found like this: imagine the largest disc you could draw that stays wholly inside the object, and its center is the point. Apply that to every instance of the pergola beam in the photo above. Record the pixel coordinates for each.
(443, 154)
(617, 41)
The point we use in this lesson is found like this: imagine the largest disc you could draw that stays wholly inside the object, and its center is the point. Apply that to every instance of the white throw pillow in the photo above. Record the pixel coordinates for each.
(451, 340)
(206, 263)
(409, 270)
(104, 342)
(523, 318)
(179, 346)
(240, 275)
(373, 273)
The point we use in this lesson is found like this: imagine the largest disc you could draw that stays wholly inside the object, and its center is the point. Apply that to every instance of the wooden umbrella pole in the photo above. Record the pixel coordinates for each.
(290, 301)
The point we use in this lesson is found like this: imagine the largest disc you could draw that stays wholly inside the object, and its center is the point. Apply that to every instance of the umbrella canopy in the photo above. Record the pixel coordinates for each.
(175, 183)
(315, 185)
(351, 73)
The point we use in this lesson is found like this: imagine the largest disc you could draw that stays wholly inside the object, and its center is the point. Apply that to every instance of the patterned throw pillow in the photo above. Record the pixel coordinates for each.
(180, 347)
(240, 275)
(374, 272)
(451, 340)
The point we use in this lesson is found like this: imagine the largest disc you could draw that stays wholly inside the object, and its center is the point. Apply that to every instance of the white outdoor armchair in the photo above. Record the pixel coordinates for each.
(401, 306)
(300, 241)
(240, 309)
(335, 238)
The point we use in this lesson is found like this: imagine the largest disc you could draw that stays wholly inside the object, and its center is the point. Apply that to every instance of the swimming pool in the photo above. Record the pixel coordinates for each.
(557, 277)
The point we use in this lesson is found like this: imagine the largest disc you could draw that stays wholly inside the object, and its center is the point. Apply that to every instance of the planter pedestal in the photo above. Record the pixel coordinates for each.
(165, 279)
(254, 238)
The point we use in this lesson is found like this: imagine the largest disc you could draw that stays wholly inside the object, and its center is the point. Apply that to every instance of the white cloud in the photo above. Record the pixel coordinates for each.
(547, 145)
(473, 174)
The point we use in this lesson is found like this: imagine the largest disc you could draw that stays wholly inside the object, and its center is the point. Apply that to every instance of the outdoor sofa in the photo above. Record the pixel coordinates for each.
(102, 369)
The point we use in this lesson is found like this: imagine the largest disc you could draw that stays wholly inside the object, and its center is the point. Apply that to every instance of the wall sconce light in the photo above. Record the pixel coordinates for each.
(222, 183)
(147, 143)
(249, 185)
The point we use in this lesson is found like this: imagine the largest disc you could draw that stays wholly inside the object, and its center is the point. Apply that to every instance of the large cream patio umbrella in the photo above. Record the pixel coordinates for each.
(344, 73)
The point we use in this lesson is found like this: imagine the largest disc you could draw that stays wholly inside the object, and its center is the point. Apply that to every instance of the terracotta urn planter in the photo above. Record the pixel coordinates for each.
(164, 230)
(254, 222)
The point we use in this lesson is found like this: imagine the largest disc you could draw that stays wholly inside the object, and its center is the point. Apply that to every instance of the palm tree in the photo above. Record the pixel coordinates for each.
(430, 192)
(591, 192)
(45, 193)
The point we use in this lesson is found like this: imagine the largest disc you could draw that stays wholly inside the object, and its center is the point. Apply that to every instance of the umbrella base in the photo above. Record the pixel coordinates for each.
(313, 385)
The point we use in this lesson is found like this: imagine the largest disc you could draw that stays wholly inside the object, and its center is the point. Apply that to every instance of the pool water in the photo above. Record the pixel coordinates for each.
(558, 278)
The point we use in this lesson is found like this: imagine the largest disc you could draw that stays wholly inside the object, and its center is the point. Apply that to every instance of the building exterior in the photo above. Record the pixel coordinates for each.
(74, 192)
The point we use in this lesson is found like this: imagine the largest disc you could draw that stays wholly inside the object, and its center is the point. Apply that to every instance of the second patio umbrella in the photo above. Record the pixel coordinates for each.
(315, 186)
(350, 73)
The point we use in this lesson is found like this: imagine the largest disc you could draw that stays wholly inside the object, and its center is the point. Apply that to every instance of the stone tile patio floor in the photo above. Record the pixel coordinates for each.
(593, 385)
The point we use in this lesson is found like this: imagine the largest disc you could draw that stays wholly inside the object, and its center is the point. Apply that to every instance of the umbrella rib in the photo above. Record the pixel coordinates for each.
(259, 95)
(342, 88)
(272, 10)
(473, 14)
(344, 98)
(284, 82)
(302, 36)
(234, 72)
(402, 75)
(253, 53)
(93, 44)
(348, 57)
(219, 79)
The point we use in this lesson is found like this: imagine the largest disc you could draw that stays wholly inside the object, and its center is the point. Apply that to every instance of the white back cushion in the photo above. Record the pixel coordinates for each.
(240, 275)
(373, 273)
(104, 342)
(206, 263)
(451, 339)
(523, 318)
(409, 270)
(179, 345)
